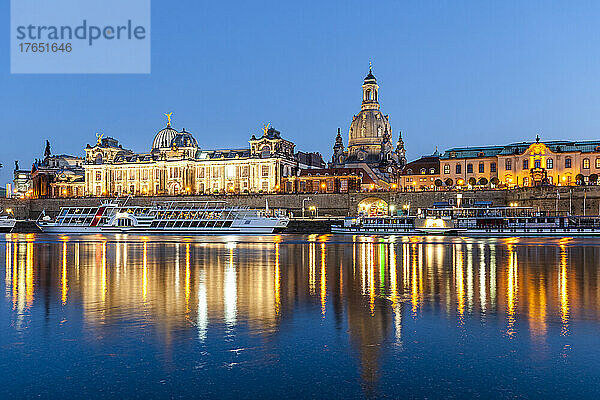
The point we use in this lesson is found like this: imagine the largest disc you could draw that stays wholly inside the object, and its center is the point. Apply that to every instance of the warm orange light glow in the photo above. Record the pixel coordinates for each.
(64, 282)
(277, 281)
(563, 292)
(187, 278)
(323, 281)
(323, 186)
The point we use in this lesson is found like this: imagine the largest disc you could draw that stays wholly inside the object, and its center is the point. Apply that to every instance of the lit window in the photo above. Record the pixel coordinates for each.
(432, 171)
(508, 165)
(447, 168)
(586, 163)
(265, 170)
(423, 171)
(230, 171)
(549, 163)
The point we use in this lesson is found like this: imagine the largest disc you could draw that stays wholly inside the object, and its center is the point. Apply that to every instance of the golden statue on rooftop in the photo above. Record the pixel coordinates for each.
(169, 117)
(99, 137)
(266, 128)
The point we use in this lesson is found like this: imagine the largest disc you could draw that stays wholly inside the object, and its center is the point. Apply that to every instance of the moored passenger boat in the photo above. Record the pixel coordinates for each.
(7, 223)
(199, 217)
(475, 221)
(522, 221)
(397, 225)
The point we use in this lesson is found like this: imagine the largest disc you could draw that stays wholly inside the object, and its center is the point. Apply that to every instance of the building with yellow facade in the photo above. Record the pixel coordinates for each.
(177, 165)
(522, 164)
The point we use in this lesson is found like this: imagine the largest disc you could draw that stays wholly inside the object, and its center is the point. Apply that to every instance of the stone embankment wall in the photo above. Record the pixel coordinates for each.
(565, 199)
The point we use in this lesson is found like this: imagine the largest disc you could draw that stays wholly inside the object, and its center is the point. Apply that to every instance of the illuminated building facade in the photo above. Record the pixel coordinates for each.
(523, 164)
(370, 140)
(57, 176)
(328, 180)
(421, 174)
(177, 165)
(21, 182)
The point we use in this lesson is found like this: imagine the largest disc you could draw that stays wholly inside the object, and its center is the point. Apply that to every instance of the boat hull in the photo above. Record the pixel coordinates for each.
(7, 225)
(471, 232)
(236, 230)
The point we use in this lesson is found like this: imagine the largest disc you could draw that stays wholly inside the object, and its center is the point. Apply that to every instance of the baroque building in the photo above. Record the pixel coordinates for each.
(559, 163)
(370, 143)
(421, 174)
(57, 176)
(177, 165)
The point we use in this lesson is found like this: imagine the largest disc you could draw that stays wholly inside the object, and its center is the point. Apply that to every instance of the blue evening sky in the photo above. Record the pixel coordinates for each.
(452, 73)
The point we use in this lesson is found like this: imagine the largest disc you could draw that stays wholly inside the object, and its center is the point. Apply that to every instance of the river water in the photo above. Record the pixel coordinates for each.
(299, 317)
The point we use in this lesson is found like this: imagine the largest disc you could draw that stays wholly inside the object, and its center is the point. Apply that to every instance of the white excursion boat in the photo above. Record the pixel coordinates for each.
(200, 217)
(475, 221)
(397, 225)
(7, 223)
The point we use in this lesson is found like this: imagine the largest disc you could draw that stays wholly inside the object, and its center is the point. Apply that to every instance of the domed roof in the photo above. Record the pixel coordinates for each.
(164, 137)
(184, 139)
(369, 125)
(368, 130)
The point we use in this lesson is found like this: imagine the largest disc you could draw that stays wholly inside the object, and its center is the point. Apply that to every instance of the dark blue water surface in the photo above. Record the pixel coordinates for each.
(299, 317)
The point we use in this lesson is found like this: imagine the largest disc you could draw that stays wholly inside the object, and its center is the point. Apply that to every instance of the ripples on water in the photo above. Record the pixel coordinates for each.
(299, 316)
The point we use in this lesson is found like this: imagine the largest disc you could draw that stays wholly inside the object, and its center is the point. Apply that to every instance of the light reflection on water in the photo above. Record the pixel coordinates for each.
(336, 315)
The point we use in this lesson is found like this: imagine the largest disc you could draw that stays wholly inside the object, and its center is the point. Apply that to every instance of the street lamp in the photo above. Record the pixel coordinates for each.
(303, 202)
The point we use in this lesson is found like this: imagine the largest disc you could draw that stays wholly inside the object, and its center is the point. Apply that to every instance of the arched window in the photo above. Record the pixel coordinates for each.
(409, 171)
(549, 163)
(375, 97)
(423, 171)
(368, 95)
(586, 163)
(98, 159)
(265, 152)
(568, 162)
(432, 171)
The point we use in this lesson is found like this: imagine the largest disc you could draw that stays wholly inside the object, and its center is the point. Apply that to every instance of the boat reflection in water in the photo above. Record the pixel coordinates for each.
(316, 315)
